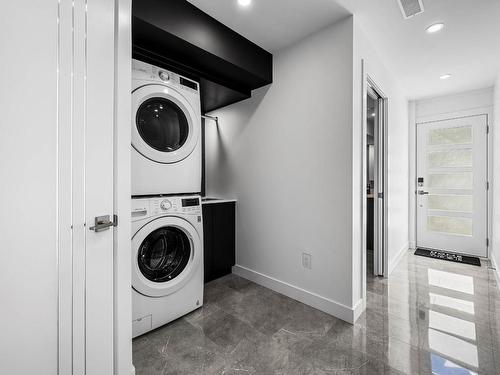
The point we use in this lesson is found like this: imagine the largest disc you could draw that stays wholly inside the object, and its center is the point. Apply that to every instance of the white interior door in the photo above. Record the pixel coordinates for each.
(99, 152)
(56, 148)
(452, 185)
(87, 64)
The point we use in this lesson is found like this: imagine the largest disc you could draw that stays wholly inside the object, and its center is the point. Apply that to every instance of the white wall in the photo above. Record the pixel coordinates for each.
(453, 104)
(443, 107)
(293, 155)
(286, 155)
(396, 192)
(28, 200)
(495, 180)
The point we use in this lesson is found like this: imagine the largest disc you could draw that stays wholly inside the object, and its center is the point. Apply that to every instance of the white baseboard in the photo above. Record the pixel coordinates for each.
(359, 308)
(324, 304)
(497, 271)
(394, 262)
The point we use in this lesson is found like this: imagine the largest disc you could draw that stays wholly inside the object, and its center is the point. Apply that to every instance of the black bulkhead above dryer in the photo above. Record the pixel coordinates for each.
(176, 35)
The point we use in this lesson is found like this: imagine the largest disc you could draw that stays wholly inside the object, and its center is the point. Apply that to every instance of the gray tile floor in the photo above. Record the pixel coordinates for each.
(430, 316)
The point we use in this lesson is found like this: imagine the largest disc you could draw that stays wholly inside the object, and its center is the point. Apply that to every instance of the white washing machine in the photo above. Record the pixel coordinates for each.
(166, 127)
(167, 260)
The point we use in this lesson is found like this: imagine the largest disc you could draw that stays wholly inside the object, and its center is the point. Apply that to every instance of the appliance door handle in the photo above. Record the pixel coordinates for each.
(139, 213)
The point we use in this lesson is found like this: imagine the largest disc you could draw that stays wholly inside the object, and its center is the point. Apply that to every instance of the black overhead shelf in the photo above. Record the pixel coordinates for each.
(176, 35)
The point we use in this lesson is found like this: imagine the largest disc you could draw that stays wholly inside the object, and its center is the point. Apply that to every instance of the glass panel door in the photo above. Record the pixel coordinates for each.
(451, 185)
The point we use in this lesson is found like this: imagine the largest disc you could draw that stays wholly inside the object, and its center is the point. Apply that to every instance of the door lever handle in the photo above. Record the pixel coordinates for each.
(103, 223)
(421, 192)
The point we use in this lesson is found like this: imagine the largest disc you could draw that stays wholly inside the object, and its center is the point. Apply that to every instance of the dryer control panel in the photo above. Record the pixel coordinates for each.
(148, 207)
(147, 72)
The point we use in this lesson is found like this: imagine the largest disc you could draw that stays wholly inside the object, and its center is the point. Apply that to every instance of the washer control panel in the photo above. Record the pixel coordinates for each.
(148, 207)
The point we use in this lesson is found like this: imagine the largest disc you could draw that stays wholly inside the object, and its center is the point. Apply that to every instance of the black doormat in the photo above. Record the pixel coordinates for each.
(452, 257)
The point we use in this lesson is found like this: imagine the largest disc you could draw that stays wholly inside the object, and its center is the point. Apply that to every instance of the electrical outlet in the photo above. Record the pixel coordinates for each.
(307, 261)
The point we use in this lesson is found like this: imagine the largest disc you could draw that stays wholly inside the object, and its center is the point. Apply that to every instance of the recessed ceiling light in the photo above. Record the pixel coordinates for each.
(445, 76)
(244, 3)
(435, 28)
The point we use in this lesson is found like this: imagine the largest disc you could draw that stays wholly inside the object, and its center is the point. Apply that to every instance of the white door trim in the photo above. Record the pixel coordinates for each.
(413, 120)
(365, 78)
(122, 314)
(380, 210)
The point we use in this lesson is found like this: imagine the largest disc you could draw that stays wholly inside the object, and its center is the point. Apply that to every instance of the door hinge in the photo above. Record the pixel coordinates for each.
(487, 129)
(487, 185)
(380, 195)
(487, 242)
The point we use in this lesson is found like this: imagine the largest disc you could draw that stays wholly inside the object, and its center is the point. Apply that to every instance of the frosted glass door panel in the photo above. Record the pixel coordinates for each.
(451, 196)
(462, 203)
(450, 158)
(451, 225)
(450, 180)
(453, 136)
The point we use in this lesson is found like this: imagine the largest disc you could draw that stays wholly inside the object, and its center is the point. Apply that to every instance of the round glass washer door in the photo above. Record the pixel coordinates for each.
(165, 254)
(165, 128)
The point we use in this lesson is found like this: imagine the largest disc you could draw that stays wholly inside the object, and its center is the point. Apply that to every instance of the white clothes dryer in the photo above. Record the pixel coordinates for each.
(166, 132)
(167, 260)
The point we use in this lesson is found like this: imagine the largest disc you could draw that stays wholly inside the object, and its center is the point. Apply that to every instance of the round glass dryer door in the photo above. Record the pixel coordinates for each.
(165, 128)
(165, 254)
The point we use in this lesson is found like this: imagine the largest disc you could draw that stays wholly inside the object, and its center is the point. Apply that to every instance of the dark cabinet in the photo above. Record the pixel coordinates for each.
(219, 239)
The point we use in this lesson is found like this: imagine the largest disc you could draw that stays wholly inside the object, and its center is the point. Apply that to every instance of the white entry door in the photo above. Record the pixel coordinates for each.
(452, 185)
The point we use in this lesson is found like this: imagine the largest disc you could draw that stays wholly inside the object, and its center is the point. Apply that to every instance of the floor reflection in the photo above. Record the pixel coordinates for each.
(453, 281)
(453, 347)
(452, 325)
(446, 332)
(444, 315)
(452, 303)
(442, 366)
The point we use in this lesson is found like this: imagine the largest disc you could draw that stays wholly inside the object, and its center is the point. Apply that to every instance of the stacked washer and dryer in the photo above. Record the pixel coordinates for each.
(167, 229)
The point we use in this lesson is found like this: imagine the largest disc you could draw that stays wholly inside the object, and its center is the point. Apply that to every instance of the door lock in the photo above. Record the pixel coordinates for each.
(103, 223)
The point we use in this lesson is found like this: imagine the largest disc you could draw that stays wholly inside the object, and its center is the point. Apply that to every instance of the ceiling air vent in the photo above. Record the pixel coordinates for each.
(411, 8)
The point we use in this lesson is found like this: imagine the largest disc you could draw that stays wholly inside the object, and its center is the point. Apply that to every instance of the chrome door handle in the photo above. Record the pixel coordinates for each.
(103, 223)
(421, 192)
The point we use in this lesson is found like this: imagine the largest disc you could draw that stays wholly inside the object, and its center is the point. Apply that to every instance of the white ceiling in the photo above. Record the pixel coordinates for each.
(274, 24)
(468, 47)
